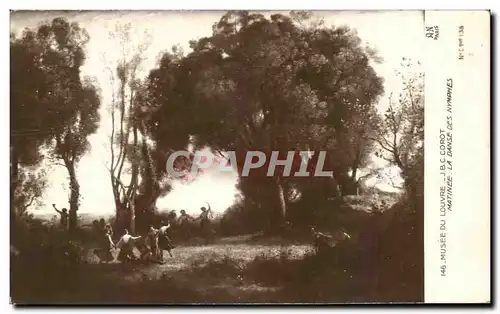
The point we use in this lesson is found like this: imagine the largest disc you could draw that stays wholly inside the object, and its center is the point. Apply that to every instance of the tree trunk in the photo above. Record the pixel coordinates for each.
(347, 186)
(74, 186)
(74, 196)
(133, 184)
(132, 217)
(283, 198)
(354, 173)
(149, 190)
(116, 195)
(276, 203)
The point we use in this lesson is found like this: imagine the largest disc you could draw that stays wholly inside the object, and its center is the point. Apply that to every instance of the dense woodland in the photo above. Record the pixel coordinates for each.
(284, 83)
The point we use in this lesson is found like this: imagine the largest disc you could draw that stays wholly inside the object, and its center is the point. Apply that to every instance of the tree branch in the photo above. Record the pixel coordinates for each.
(113, 95)
(391, 160)
(392, 182)
(25, 207)
(124, 190)
(387, 148)
(58, 164)
(122, 121)
(220, 153)
(123, 149)
(371, 173)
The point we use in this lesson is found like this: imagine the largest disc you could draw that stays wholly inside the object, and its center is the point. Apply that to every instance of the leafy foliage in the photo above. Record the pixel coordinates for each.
(274, 84)
(401, 137)
(30, 189)
(50, 103)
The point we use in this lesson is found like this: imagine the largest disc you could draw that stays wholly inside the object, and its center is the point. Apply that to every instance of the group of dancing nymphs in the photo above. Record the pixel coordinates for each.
(151, 245)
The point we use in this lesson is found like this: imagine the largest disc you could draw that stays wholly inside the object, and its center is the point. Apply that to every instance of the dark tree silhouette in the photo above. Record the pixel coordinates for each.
(49, 99)
(277, 84)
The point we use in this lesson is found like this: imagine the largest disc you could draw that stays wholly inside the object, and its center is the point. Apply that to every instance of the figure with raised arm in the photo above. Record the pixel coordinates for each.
(63, 217)
(164, 241)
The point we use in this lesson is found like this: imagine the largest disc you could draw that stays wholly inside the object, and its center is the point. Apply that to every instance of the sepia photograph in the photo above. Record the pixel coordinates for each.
(217, 157)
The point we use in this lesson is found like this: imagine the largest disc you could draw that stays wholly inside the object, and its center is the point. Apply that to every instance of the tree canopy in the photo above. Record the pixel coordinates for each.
(269, 84)
(52, 107)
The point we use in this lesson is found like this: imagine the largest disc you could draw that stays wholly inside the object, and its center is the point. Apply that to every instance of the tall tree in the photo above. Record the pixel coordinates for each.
(125, 151)
(164, 128)
(401, 136)
(77, 100)
(274, 84)
(66, 107)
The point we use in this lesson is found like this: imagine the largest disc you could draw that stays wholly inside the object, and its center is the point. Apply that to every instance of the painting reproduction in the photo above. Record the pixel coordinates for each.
(180, 157)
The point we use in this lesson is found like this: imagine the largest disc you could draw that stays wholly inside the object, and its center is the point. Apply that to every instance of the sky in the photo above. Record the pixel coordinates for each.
(395, 34)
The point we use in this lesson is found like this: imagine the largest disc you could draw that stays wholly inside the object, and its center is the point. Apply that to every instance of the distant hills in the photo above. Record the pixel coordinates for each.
(84, 218)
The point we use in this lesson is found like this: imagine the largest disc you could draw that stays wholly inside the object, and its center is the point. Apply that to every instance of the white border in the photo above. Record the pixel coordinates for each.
(465, 274)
